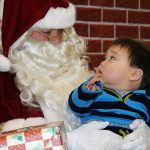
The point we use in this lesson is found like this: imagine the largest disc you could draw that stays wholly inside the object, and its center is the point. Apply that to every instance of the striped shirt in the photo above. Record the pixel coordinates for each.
(107, 105)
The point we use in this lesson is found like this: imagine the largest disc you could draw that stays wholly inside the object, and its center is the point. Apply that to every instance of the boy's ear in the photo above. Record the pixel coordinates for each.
(136, 74)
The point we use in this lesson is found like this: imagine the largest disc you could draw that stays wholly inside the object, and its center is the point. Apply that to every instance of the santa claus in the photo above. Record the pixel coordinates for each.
(46, 62)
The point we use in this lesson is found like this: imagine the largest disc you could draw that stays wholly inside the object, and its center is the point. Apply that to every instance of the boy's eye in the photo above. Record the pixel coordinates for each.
(112, 58)
(109, 58)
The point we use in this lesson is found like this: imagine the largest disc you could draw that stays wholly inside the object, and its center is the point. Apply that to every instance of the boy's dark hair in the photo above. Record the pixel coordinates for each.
(139, 56)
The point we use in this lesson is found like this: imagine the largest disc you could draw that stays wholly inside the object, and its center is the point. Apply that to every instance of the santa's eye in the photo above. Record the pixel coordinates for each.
(46, 32)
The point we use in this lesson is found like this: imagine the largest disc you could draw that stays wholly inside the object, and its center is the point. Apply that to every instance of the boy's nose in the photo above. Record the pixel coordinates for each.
(101, 66)
(103, 63)
(98, 69)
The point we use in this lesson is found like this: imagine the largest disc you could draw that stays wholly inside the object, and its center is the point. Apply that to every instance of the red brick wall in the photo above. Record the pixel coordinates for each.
(101, 21)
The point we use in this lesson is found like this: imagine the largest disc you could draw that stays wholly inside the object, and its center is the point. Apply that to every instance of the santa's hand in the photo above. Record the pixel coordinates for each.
(91, 137)
(139, 139)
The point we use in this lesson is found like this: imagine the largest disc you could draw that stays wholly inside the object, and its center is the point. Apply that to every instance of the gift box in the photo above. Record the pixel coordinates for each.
(45, 137)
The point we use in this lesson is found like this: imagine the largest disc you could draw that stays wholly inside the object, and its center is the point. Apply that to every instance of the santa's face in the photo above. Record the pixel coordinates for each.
(51, 52)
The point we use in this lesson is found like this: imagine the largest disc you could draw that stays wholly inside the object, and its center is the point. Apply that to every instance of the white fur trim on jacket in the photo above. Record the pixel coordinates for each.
(4, 63)
(58, 18)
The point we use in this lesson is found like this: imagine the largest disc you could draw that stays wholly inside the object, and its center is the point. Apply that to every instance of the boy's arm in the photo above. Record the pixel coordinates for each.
(81, 99)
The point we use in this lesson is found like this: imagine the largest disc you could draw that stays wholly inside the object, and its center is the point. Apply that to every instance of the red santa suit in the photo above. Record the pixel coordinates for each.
(18, 17)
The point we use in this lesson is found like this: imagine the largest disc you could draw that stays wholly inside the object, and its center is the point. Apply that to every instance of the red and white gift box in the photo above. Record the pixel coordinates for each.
(45, 137)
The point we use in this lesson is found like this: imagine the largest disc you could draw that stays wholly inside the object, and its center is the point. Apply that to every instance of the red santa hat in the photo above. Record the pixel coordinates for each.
(20, 15)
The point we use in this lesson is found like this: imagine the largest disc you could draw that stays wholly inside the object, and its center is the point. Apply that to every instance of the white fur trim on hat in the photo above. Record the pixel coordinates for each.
(1, 8)
(58, 18)
(4, 63)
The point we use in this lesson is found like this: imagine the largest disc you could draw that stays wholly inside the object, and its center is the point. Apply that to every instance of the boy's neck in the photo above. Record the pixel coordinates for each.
(125, 88)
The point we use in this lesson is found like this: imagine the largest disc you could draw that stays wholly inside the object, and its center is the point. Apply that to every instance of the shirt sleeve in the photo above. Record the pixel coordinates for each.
(81, 99)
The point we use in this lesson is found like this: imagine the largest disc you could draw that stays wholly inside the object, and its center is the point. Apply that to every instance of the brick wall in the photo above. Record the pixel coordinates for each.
(101, 21)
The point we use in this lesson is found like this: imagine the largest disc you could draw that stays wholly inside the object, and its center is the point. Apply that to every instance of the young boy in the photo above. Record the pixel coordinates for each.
(118, 92)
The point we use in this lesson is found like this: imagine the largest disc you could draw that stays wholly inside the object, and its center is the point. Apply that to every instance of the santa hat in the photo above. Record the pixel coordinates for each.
(20, 15)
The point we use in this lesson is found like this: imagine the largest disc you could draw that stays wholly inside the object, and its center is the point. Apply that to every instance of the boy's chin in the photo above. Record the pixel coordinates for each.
(109, 85)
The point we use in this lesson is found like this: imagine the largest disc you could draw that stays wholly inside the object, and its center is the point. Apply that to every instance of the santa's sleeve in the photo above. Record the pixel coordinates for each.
(10, 104)
(9, 98)
(9, 95)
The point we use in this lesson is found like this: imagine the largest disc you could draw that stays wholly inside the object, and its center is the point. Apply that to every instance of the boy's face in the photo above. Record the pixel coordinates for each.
(115, 70)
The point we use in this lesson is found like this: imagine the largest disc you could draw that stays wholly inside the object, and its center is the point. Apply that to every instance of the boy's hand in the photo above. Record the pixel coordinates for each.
(91, 85)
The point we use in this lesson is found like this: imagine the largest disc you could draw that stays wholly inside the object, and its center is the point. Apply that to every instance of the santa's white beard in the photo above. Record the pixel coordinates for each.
(47, 74)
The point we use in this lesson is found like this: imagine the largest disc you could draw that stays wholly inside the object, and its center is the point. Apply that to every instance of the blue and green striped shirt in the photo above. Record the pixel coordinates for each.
(107, 105)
